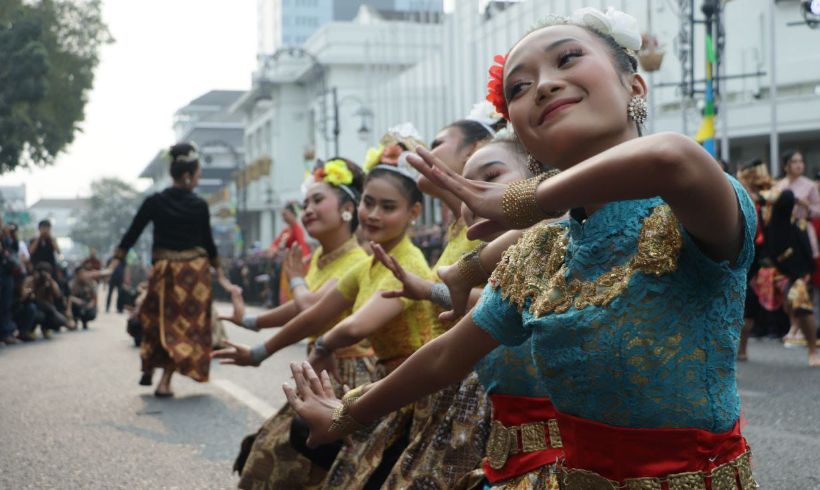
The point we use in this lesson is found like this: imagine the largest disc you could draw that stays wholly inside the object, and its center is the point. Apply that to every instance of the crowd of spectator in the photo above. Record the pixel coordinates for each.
(38, 292)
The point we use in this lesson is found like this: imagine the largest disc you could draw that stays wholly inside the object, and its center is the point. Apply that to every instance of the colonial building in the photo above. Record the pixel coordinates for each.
(317, 101)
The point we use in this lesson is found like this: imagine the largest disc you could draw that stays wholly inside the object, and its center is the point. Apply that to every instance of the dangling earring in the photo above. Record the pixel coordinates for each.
(534, 165)
(637, 109)
(347, 216)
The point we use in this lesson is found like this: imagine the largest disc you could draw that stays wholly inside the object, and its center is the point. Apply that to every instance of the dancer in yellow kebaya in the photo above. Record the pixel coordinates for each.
(329, 216)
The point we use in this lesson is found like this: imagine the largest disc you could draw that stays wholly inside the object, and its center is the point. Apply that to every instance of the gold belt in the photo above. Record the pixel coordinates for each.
(503, 441)
(189, 254)
(723, 477)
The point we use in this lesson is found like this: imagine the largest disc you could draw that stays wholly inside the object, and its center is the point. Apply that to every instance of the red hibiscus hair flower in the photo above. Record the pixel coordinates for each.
(495, 87)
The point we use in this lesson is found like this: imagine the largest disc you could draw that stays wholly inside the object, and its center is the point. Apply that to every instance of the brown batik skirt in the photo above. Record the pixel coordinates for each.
(176, 315)
(273, 463)
(448, 439)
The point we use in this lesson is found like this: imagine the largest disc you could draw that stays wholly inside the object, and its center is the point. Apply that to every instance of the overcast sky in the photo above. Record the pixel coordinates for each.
(166, 53)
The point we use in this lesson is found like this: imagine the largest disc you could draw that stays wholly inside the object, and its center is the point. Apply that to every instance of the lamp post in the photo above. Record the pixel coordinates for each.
(363, 112)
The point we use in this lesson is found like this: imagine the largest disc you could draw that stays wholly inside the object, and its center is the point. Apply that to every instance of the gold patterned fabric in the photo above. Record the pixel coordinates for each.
(415, 324)
(356, 462)
(273, 463)
(333, 266)
(176, 317)
(659, 245)
(544, 477)
(733, 475)
(447, 439)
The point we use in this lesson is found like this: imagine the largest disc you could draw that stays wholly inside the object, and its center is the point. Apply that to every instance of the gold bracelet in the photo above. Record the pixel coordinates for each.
(343, 423)
(470, 270)
(355, 393)
(519, 205)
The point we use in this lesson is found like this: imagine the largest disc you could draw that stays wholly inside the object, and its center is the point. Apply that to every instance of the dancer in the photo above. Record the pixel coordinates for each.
(395, 327)
(454, 145)
(518, 399)
(330, 217)
(176, 313)
(633, 306)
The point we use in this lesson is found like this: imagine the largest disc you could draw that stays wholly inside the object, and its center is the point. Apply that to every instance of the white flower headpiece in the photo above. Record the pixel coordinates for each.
(620, 25)
(405, 130)
(485, 114)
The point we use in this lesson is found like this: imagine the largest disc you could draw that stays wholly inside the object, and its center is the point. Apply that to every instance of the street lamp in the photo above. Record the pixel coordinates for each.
(363, 112)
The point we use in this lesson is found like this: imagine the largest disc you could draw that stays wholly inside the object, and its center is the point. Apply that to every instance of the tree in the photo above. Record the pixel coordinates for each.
(48, 52)
(111, 207)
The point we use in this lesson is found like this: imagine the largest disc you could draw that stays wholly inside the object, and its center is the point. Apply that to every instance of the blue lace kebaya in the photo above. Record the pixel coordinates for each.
(630, 323)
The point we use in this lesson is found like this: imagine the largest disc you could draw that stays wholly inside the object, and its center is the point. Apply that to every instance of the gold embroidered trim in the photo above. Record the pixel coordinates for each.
(327, 258)
(534, 436)
(534, 267)
(723, 477)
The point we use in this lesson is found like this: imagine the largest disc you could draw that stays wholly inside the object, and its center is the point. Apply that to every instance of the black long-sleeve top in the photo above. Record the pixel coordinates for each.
(181, 222)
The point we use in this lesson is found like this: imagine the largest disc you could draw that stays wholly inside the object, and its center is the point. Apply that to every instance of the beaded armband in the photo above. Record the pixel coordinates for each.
(519, 205)
(343, 423)
(470, 270)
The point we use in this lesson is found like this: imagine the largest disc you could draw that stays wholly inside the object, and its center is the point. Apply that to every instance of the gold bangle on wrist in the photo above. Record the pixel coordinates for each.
(470, 270)
(343, 423)
(519, 205)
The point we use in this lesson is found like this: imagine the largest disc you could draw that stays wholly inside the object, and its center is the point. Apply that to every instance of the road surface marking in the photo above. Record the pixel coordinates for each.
(258, 405)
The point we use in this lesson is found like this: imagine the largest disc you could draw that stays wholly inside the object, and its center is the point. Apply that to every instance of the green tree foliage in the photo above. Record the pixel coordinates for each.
(112, 205)
(48, 52)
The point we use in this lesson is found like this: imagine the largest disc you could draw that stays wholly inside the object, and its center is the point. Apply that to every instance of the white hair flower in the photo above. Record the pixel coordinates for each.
(620, 25)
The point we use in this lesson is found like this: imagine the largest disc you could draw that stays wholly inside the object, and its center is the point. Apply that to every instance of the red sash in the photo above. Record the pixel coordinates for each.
(619, 453)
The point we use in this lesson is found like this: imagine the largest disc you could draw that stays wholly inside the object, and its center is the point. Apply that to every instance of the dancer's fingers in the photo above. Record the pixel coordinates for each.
(313, 379)
(302, 385)
(327, 385)
(223, 353)
(293, 398)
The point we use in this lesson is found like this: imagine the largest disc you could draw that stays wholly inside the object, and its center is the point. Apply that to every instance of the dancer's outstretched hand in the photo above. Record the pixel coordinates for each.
(413, 286)
(483, 198)
(294, 265)
(238, 303)
(236, 354)
(314, 401)
(459, 292)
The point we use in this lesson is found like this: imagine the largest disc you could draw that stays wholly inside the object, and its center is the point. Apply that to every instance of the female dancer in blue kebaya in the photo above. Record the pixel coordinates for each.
(633, 305)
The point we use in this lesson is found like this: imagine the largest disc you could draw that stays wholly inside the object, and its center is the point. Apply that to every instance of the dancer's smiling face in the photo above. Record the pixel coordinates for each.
(322, 210)
(566, 94)
(386, 209)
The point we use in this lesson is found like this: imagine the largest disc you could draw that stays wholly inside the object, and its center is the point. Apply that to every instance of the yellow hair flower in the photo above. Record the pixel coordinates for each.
(337, 173)
(373, 157)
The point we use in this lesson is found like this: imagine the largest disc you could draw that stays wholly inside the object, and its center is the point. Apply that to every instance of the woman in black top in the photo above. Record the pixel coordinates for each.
(788, 248)
(176, 313)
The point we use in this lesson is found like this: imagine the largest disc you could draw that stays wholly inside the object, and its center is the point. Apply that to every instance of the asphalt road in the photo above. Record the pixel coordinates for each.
(73, 416)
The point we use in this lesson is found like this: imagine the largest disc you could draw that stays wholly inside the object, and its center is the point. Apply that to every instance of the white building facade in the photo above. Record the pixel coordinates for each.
(290, 113)
(432, 70)
(762, 36)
